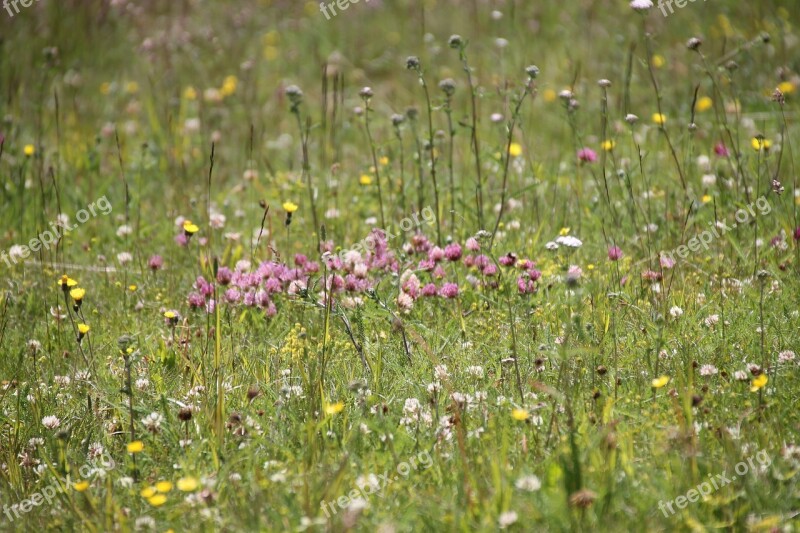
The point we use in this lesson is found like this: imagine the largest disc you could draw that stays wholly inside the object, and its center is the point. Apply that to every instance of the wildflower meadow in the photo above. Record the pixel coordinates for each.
(399, 265)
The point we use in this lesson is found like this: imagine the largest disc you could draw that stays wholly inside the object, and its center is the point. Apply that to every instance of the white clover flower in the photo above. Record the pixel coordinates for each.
(51, 422)
(528, 483)
(641, 5)
(509, 517)
(569, 241)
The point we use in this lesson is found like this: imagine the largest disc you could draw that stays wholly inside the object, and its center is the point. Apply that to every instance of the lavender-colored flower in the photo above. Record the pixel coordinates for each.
(224, 276)
(233, 296)
(473, 245)
(449, 290)
(155, 262)
(587, 155)
(195, 300)
(453, 252)
(614, 253)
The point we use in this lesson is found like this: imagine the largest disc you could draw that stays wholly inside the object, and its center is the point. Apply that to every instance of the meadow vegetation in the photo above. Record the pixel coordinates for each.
(438, 265)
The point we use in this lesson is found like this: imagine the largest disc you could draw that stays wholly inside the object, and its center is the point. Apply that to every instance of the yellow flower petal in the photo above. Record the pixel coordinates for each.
(135, 446)
(660, 382)
(520, 414)
(187, 484)
(334, 408)
(164, 486)
(81, 486)
(158, 500)
(148, 492)
(289, 207)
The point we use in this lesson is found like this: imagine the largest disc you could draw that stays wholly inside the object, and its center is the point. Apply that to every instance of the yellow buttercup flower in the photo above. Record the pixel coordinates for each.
(148, 492)
(659, 118)
(520, 414)
(786, 87)
(706, 198)
(549, 95)
(660, 382)
(334, 408)
(608, 145)
(229, 86)
(515, 150)
(164, 486)
(365, 179)
(77, 294)
(563, 232)
(66, 283)
(187, 484)
(289, 207)
(29, 150)
(190, 228)
(760, 144)
(383, 161)
(157, 501)
(704, 104)
(759, 383)
(135, 447)
(81, 486)
(659, 61)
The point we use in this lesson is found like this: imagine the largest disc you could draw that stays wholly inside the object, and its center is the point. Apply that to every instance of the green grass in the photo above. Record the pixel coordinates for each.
(181, 109)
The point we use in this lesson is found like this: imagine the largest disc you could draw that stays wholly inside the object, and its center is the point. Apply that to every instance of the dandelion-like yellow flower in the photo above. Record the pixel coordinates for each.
(334, 408)
(515, 150)
(190, 228)
(659, 118)
(132, 87)
(706, 198)
(704, 104)
(759, 383)
(158, 500)
(786, 87)
(365, 179)
(135, 447)
(190, 93)
(608, 145)
(563, 232)
(77, 294)
(66, 283)
(760, 144)
(383, 161)
(660, 382)
(83, 329)
(148, 492)
(659, 61)
(169, 314)
(164, 486)
(289, 207)
(187, 484)
(81, 486)
(520, 414)
(229, 86)
(29, 150)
